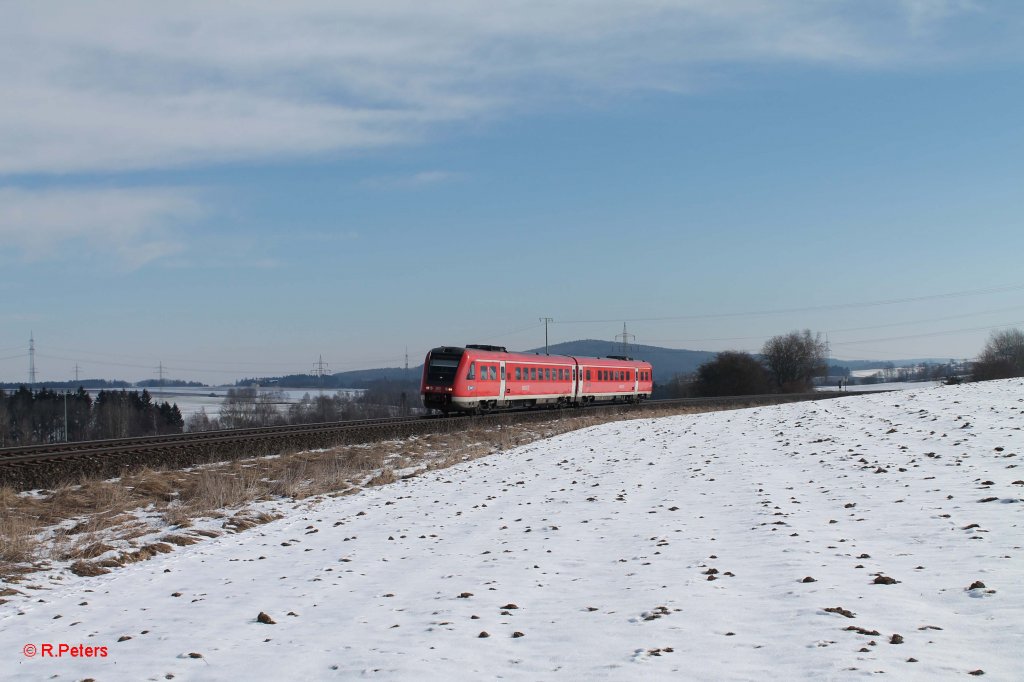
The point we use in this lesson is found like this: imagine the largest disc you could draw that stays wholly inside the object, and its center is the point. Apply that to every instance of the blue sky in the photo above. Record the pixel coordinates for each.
(238, 190)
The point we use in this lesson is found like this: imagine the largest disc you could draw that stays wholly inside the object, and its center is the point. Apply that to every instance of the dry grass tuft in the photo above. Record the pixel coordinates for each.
(383, 478)
(207, 533)
(19, 541)
(177, 515)
(87, 569)
(154, 485)
(243, 521)
(180, 540)
(214, 489)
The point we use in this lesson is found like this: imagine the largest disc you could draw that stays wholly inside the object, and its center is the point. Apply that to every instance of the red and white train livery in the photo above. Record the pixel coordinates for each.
(479, 378)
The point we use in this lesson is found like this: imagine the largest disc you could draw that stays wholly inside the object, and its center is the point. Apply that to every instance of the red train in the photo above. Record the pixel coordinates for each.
(480, 378)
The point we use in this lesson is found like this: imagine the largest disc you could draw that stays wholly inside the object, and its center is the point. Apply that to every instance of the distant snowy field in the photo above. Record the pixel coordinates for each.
(887, 386)
(600, 546)
(191, 400)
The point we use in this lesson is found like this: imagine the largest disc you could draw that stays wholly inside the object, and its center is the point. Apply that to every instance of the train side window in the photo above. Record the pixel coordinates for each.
(588, 375)
(494, 373)
(503, 373)
(471, 374)
(519, 374)
(547, 374)
(533, 374)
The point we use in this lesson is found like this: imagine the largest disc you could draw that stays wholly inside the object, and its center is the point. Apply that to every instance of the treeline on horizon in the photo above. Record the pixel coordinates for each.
(797, 362)
(102, 384)
(34, 417)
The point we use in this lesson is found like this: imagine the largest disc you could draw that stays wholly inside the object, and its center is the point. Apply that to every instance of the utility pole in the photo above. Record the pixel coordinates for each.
(31, 359)
(404, 407)
(319, 370)
(828, 363)
(160, 386)
(76, 372)
(625, 339)
(546, 321)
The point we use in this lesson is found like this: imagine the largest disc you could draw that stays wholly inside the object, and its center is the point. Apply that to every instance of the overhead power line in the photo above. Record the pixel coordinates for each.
(831, 306)
(848, 329)
(919, 336)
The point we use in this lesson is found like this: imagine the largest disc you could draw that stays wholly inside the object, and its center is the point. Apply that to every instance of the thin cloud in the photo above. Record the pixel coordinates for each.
(137, 226)
(111, 86)
(421, 179)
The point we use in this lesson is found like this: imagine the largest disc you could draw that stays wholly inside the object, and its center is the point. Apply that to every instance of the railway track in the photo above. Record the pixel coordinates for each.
(38, 466)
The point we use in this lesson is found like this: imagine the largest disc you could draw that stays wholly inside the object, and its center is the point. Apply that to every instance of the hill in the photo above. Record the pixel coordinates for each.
(668, 362)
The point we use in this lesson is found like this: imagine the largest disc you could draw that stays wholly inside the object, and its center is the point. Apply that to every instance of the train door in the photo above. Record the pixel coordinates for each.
(501, 389)
(574, 390)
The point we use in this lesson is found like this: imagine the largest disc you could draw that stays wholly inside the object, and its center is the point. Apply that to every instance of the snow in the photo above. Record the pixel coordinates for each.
(883, 386)
(604, 539)
(192, 399)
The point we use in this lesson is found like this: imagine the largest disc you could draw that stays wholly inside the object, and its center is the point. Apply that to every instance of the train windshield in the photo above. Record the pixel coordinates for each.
(441, 370)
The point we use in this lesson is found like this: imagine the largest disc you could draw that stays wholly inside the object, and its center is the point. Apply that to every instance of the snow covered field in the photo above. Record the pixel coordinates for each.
(837, 539)
(191, 400)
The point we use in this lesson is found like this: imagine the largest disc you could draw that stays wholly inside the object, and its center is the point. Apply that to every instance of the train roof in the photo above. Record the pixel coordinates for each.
(489, 353)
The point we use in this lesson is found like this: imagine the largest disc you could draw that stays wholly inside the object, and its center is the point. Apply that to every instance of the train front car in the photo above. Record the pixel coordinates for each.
(440, 373)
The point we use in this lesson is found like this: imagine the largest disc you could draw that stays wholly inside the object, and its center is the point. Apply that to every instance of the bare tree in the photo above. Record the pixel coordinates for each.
(5, 420)
(238, 411)
(200, 421)
(795, 359)
(1002, 357)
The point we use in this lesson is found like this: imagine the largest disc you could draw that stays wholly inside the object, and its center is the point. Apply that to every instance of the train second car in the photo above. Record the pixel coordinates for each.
(478, 378)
